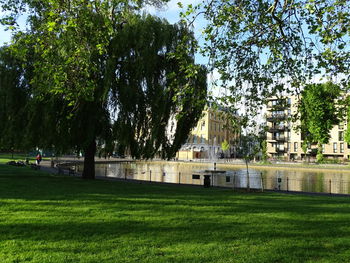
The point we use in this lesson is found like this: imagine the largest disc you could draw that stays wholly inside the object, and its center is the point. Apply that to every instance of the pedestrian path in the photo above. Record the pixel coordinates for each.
(46, 166)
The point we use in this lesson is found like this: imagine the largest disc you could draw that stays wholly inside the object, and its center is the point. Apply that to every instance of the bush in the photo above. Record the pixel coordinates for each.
(264, 162)
(320, 158)
(331, 161)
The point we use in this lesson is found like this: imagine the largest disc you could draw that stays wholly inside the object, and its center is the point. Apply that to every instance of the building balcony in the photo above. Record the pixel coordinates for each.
(281, 150)
(278, 128)
(273, 117)
(280, 138)
(277, 106)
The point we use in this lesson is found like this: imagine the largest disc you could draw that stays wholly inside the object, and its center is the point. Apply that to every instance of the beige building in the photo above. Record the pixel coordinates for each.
(206, 138)
(285, 141)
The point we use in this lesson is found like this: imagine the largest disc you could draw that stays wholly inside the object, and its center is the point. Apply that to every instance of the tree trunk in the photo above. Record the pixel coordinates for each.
(89, 161)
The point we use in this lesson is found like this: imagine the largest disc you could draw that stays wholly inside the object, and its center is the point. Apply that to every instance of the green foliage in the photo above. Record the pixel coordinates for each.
(264, 150)
(330, 161)
(304, 146)
(14, 94)
(347, 132)
(152, 91)
(249, 146)
(318, 112)
(347, 135)
(261, 48)
(225, 145)
(99, 71)
(319, 157)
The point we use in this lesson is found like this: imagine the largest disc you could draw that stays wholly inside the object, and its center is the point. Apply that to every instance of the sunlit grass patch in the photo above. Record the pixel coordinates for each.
(51, 218)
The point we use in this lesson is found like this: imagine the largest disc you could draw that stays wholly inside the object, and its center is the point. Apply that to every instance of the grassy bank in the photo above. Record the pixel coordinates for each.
(50, 218)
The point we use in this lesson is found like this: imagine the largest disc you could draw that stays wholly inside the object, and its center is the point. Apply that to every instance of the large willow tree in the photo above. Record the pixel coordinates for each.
(13, 96)
(150, 90)
(94, 62)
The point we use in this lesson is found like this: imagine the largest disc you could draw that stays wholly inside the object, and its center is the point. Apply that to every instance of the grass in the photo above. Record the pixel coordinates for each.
(16, 157)
(6, 157)
(51, 218)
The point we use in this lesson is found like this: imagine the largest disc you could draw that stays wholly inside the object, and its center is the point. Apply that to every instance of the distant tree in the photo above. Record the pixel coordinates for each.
(225, 145)
(319, 112)
(264, 150)
(249, 147)
(347, 118)
(305, 148)
(261, 48)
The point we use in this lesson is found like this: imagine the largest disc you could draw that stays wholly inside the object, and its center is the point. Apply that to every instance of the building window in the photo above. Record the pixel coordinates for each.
(341, 136)
(289, 101)
(335, 147)
(288, 146)
(202, 139)
(195, 139)
(295, 146)
(342, 147)
(341, 126)
(280, 147)
(323, 148)
(196, 176)
(277, 136)
(203, 125)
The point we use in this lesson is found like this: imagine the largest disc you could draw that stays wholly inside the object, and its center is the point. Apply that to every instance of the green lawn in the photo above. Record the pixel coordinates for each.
(50, 218)
(6, 157)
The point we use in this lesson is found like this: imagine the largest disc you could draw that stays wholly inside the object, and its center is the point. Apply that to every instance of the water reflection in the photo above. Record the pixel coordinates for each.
(326, 181)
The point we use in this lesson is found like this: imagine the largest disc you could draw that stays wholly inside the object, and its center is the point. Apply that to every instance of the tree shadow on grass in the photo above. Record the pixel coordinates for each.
(166, 223)
(292, 238)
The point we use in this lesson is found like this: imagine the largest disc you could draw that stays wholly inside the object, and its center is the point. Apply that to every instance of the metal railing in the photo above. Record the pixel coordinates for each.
(238, 179)
(276, 116)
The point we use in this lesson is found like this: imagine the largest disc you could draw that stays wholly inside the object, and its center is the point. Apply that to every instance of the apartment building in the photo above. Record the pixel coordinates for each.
(204, 141)
(285, 141)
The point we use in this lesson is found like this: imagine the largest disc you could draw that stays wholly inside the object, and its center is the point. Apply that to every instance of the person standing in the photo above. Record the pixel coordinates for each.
(38, 159)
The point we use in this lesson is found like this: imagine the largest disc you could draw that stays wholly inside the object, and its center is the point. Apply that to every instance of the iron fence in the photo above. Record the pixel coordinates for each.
(233, 179)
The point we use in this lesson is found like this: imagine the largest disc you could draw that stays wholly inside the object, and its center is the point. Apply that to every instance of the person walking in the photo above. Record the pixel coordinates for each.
(38, 159)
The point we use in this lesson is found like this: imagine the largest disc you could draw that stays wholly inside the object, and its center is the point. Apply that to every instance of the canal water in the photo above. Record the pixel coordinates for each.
(235, 176)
